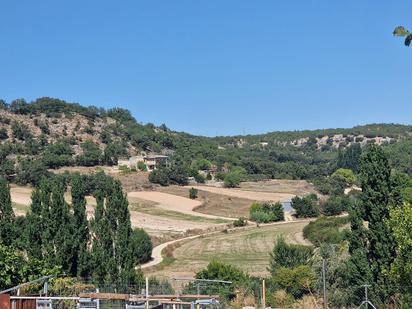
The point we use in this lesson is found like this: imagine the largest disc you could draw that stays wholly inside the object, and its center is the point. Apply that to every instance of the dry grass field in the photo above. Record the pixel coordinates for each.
(247, 249)
(295, 187)
(214, 204)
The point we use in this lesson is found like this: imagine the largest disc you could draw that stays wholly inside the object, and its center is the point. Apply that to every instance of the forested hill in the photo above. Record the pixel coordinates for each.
(51, 133)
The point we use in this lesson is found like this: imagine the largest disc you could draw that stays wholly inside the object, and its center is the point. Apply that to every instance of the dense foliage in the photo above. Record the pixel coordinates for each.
(59, 236)
(266, 212)
(326, 230)
(306, 206)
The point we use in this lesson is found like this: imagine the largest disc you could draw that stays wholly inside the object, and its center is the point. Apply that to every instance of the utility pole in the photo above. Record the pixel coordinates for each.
(325, 296)
(147, 293)
(263, 294)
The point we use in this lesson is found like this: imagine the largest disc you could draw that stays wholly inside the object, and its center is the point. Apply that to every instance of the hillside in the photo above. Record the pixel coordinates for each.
(54, 133)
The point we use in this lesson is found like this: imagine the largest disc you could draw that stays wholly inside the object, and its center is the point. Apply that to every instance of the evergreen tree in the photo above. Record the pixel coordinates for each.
(34, 227)
(81, 262)
(102, 258)
(7, 230)
(372, 248)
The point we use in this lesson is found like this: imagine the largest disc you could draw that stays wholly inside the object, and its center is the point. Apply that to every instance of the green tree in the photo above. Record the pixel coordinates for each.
(193, 193)
(57, 155)
(400, 222)
(306, 206)
(266, 212)
(349, 158)
(16, 268)
(288, 255)
(373, 248)
(297, 281)
(346, 174)
(81, 259)
(232, 180)
(30, 171)
(402, 32)
(7, 229)
(3, 134)
(335, 205)
(91, 155)
(141, 246)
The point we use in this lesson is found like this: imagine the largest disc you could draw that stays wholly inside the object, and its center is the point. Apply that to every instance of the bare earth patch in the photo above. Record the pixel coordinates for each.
(214, 204)
(173, 203)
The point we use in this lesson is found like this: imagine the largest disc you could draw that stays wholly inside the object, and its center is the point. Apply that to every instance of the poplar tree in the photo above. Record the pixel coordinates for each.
(103, 264)
(34, 227)
(7, 230)
(81, 262)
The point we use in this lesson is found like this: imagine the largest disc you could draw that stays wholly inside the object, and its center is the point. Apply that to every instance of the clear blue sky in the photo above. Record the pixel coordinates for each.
(214, 66)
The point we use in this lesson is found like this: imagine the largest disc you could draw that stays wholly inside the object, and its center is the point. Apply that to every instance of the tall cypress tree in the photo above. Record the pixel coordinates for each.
(103, 263)
(119, 215)
(61, 228)
(34, 226)
(372, 248)
(81, 262)
(7, 230)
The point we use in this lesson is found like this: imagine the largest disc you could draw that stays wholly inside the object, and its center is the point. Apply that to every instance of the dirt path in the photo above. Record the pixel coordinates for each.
(246, 194)
(157, 257)
(173, 203)
(21, 195)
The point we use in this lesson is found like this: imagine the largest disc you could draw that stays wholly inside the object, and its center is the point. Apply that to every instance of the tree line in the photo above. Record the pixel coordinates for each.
(369, 247)
(58, 236)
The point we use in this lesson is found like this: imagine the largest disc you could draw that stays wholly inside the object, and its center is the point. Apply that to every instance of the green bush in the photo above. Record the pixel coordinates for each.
(141, 166)
(266, 212)
(296, 281)
(288, 255)
(306, 206)
(346, 175)
(335, 205)
(240, 222)
(141, 245)
(325, 230)
(232, 180)
(193, 193)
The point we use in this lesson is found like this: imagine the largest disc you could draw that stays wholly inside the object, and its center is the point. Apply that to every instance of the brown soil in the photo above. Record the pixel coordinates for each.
(214, 204)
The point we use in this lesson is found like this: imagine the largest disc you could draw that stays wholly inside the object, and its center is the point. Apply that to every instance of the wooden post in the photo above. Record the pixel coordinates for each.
(263, 294)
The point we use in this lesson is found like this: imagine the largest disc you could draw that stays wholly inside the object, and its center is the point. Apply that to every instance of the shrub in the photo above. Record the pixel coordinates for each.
(200, 178)
(193, 193)
(288, 255)
(220, 176)
(141, 246)
(159, 176)
(330, 185)
(3, 134)
(306, 206)
(335, 205)
(346, 175)
(296, 281)
(141, 166)
(240, 222)
(325, 230)
(20, 131)
(232, 180)
(266, 212)
(124, 169)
